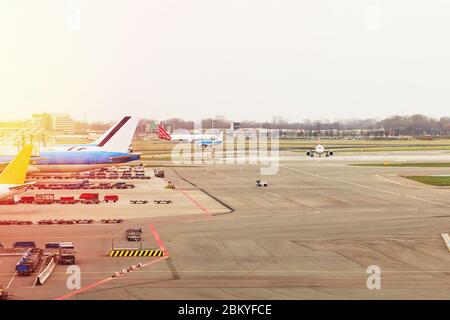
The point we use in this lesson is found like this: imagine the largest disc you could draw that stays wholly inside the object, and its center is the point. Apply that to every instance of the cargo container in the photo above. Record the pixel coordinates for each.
(48, 198)
(111, 198)
(67, 200)
(27, 199)
(24, 244)
(89, 198)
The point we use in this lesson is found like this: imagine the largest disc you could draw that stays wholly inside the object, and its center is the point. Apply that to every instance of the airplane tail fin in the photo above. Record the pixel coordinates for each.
(119, 137)
(103, 136)
(16, 171)
(163, 134)
(220, 139)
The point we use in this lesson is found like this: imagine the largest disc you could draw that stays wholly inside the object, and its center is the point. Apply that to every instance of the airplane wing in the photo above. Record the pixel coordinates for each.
(37, 159)
(24, 186)
(119, 159)
(3, 165)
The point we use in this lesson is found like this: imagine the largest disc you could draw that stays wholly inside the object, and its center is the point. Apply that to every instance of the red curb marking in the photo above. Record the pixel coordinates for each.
(196, 203)
(158, 239)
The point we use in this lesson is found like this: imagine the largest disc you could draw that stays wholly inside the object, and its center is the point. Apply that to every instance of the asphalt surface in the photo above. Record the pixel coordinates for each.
(311, 234)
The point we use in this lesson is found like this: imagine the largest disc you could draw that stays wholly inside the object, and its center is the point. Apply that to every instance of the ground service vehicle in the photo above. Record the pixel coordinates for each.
(134, 234)
(84, 221)
(67, 200)
(111, 220)
(46, 222)
(52, 245)
(28, 263)
(113, 175)
(124, 185)
(126, 175)
(24, 244)
(3, 293)
(162, 201)
(89, 198)
(44, 198)
(111, 198)
(66, 254)
(100, 175)
(159, 173)
(138, 201)
(260, 183)
(27, 199)
(24, 223)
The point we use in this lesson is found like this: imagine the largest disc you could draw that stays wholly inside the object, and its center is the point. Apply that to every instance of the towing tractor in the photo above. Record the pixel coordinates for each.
(134, 234)
(3, 293)
(260, 183)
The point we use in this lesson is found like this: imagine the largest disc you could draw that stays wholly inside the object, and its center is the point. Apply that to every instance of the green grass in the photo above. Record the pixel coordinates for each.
(434, 181)
(405, 164)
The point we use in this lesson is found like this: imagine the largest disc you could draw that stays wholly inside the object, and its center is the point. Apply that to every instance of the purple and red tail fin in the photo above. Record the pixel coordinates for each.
(163, 134)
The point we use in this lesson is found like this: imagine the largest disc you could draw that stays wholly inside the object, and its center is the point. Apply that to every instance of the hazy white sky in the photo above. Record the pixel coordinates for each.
(245, 59)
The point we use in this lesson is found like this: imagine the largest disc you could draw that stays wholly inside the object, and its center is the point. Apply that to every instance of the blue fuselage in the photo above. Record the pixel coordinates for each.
(84, 157)
(64, 161)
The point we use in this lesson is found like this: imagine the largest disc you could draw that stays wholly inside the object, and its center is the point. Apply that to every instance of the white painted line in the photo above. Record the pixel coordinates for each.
(446, 238)
(10, 281)
(366, 187)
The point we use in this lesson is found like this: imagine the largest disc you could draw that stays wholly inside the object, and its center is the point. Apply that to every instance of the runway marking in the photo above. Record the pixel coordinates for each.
(100, 282)
(10, 281)
(388, 180)
(430, 201)
(408, 186)
(366, 187)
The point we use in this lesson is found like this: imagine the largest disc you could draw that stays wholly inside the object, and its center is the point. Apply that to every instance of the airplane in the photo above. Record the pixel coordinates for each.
(202, 140)
(211, 142)
(12, 179)
(188, 137)
(112, 148)
(319, 150)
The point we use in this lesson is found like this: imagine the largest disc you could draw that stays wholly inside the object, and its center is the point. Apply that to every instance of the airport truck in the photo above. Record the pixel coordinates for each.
(44, 198)
(29, 262)
(89, 198)
(66, 254)
(159, 173)
(134, 234)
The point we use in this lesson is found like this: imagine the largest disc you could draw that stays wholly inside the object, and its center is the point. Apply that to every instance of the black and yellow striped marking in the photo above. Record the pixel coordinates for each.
(136, 253)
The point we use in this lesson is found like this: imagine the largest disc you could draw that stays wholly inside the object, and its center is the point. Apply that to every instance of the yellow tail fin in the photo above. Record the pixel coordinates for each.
(16, 170)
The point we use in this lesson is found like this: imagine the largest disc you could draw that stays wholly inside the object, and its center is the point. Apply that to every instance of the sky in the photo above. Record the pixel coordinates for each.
(244, 59)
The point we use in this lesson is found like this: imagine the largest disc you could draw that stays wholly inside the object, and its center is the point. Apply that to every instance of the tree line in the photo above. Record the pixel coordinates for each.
(411, 125)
